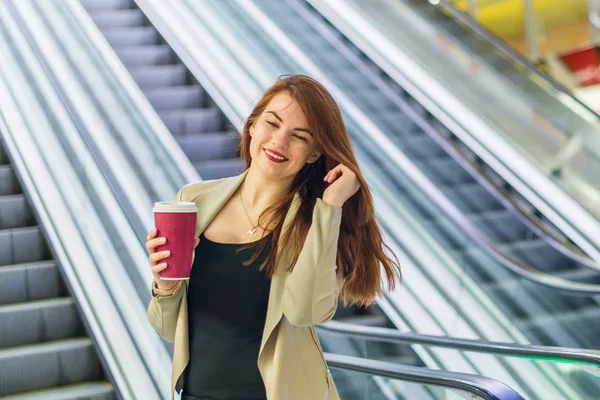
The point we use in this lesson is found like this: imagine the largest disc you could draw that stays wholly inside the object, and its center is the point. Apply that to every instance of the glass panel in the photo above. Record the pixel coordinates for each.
(546, 124)
(577, 380)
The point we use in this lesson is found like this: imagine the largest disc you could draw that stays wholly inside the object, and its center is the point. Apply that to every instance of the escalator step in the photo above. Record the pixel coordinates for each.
(9, 183)
(159, 75)
(397, 122)
(217, 169)
(135, 56)
(500, 225)
(209, 146)
(85, 390)
(30, 281)
(47, 365)
(444, 171)
(536, 252)
(106, 4)
(21, 245)
(175, 97)
(15, 212)
(4, 160)
(471, 198)
(38, 322)
(131, 36)
(420, 147)
(117, 18)
(199, 120)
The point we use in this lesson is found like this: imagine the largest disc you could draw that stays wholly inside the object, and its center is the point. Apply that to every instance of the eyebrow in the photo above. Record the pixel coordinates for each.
(296, 129)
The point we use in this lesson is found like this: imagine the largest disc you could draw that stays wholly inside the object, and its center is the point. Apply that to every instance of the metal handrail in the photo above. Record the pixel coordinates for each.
(394, 155)
(512, 54)
(484, 387)
(547, 353)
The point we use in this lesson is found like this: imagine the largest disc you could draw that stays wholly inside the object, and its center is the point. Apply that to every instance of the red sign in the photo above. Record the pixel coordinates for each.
(585, 65)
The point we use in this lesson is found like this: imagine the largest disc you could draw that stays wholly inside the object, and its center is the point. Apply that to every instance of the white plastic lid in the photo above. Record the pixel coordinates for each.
(180, 206)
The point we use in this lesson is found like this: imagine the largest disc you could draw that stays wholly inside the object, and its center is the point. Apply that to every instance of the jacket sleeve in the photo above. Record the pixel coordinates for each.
(311, 291)
(163, 309)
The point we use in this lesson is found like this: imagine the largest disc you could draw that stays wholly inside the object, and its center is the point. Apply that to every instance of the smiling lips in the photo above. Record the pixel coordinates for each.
(274, 157)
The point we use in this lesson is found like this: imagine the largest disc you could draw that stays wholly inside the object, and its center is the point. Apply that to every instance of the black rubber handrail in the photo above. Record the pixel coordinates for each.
(484, 387)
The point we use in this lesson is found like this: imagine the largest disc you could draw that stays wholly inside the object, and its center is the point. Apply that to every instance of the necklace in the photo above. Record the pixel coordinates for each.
(253, 230)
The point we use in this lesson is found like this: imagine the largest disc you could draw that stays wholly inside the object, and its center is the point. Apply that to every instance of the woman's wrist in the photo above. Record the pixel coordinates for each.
(165, 287)
(332, 202)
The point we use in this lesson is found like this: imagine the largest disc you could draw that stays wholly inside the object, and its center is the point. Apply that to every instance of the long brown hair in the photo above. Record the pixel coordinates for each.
(360, 248)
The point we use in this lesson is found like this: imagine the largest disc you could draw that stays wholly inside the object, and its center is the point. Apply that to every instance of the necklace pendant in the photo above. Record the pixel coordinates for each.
(251, 232)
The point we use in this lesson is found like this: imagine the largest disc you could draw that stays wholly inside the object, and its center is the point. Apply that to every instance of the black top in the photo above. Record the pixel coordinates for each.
(227, 308)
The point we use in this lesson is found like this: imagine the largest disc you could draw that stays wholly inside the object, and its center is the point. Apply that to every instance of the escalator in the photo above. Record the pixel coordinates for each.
(581, 367)
(183, 105)
(545, 315)
(401, 119)
(46, 351)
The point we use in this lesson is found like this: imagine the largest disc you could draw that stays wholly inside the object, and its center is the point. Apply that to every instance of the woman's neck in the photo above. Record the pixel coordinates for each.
(259, 192)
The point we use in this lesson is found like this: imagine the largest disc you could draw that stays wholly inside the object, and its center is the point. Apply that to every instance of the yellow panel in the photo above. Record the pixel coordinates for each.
(505, 17)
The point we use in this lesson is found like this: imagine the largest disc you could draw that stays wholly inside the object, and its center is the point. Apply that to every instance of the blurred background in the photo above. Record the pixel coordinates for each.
(559, 37)
(475, 123)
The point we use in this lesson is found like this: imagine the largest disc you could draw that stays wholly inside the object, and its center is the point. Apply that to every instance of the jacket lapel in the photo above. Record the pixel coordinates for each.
(274, 312)
(214, 200)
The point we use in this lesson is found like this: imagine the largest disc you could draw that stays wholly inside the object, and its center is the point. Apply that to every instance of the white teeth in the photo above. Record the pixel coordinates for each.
(274, 156)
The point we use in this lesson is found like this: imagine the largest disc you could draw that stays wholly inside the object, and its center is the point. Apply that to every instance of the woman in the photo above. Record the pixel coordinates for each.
(249, 332)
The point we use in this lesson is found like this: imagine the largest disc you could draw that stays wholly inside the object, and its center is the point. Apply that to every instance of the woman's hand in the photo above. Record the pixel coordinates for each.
(152, 243)
(343, 185)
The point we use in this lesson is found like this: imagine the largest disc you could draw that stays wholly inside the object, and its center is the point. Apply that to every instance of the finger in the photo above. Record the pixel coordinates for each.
(333, 175)
(333, 172)
(151, 245)
(159, 267)
(154, 258)
(152, 234)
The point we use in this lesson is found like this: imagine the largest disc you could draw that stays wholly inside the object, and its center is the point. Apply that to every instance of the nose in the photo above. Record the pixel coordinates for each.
(279, 140)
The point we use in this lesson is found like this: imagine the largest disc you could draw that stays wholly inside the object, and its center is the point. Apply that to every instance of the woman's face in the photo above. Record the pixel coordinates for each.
(283, 128)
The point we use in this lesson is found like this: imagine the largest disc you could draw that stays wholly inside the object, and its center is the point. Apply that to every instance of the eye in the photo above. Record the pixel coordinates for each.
(300, 137)
(272, 124)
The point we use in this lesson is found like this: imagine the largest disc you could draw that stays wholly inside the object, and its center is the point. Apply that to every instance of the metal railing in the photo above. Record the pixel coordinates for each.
(476, 385)
(589, 359)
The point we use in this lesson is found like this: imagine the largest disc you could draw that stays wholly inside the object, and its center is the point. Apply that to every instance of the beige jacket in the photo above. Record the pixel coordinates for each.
(290, 360)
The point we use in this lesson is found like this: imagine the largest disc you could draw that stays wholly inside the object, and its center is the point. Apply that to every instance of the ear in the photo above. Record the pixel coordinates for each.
(314, 157)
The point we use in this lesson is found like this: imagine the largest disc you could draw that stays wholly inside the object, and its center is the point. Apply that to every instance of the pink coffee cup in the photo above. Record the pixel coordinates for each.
(176, 221)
